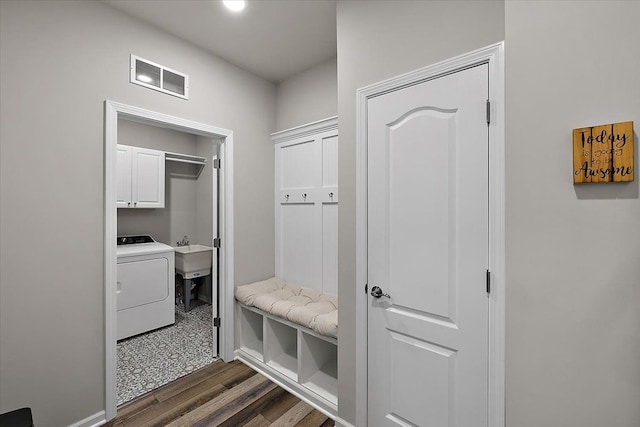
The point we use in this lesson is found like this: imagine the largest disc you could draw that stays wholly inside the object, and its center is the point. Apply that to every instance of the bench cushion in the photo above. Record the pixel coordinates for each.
(306, 307)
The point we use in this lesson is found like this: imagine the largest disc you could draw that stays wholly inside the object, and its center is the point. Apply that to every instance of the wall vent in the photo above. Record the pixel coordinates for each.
(158, 77)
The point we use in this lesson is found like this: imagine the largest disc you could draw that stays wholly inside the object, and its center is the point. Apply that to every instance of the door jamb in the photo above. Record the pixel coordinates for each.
(492, 55)
(114, 111)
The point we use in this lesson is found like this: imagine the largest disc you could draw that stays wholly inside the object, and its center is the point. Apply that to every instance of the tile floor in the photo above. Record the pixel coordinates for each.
(150, 360)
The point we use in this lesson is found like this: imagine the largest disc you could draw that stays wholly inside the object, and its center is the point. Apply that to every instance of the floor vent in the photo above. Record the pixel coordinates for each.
(158, 77)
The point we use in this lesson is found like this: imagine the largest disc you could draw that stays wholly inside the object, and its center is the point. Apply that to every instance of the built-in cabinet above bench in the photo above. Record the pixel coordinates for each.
(140, 177)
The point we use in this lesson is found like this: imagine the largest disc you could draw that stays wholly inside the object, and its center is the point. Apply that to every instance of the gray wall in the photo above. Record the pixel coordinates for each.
(573, 252)
(59, 61)
(308, 96)
(378, 40)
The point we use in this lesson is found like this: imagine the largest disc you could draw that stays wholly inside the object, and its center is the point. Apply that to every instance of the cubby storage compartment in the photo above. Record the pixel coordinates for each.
(294, 357)
(319, 367)
(251, 337)
(281, 349)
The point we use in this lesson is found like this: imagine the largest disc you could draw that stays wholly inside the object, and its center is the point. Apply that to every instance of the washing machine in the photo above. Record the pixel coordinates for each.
(146, 285)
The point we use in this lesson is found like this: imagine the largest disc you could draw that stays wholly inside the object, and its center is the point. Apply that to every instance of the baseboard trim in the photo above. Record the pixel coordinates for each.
(94, 420)
(342, 423)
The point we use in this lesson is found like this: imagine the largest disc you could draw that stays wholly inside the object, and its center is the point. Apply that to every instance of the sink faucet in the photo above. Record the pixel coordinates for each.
(183, 242)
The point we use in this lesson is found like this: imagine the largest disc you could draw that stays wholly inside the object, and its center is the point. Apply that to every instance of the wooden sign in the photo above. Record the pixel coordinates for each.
(603, 153)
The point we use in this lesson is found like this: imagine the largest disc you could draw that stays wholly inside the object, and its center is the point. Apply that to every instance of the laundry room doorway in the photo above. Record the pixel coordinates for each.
(158, 169)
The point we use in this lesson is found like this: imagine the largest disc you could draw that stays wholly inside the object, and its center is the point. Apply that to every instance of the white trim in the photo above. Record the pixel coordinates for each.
(342, 423)
(227, 282)
(114, 111)
(301, 131)
(94, 420)
(494, 56)
(497, 250)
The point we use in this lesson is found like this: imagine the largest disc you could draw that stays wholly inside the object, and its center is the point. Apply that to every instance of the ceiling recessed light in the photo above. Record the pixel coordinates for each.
(234, 5)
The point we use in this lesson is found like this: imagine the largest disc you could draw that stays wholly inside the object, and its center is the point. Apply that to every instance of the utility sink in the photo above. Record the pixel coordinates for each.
(193, 260)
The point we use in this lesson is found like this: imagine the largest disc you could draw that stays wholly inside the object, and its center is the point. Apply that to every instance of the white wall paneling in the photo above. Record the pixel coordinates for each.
(306, 205)
(330, 248)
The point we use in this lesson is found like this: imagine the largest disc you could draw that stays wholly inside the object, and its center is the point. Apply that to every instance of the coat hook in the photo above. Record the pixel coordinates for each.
(304, 196)
(286, 197)
(331, 195)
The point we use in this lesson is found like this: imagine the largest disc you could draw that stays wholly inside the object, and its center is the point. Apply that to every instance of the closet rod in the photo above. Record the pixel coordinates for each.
(194, 162)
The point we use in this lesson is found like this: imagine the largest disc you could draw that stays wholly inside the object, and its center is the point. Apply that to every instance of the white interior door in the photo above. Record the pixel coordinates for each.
(428, 250)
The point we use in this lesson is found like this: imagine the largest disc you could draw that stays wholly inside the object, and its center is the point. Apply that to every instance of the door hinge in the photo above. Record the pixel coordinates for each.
(216, 243)
(488, 112)
(216, 163)
(216, 322)
(488, 282)
(366, 288)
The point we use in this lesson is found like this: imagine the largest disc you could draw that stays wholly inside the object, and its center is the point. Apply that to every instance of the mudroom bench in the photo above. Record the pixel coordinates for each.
(288, 334)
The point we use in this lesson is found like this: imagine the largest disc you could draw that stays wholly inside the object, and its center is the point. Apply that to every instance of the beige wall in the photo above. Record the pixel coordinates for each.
(378, 40)
(573, 252)
(308, 96)
(59, 61)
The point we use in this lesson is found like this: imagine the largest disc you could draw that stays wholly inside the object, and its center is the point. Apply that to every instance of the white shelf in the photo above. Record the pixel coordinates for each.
(294, 357)
(281, 349)
(251, 338)
(185, 158)
(284, 364)
(319, 367)
(201, 162)
(325, 382)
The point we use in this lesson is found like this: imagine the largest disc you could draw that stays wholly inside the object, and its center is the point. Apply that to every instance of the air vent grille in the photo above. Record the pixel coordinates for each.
(158, 77)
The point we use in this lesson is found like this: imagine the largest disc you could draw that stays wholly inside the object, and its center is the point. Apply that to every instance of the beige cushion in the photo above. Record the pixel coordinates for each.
(306, 307)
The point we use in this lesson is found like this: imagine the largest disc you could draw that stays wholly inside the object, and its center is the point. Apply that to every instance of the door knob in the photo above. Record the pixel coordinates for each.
(376, 292)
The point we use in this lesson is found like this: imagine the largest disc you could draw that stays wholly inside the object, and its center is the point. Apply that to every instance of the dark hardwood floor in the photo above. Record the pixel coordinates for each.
(221, 394)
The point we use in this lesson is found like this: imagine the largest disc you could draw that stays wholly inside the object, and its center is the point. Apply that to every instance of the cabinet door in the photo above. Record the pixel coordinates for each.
(147, 180)
(123, 176)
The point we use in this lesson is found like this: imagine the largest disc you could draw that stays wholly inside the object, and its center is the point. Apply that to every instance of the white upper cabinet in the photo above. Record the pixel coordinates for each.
(140, 177)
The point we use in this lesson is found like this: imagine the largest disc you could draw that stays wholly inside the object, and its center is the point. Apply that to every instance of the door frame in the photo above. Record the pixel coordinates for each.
(113, 112)
(492, 55)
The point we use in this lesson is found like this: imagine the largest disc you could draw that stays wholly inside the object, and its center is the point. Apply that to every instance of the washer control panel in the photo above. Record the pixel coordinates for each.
(134, 240)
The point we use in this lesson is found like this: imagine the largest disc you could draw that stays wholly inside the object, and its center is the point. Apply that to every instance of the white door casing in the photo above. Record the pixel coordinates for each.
(223, 217)
(493, 58)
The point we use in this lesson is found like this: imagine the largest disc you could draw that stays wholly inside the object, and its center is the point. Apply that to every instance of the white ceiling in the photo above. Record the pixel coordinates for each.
(273, 39)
